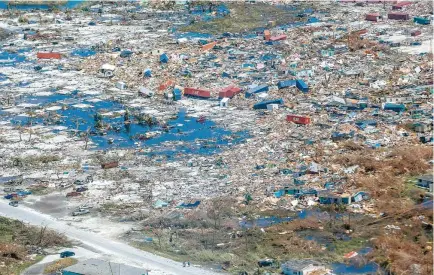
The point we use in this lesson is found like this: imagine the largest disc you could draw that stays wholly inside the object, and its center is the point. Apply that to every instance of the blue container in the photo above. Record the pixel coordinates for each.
(147, 73)
(225, 74)
(422, 21)
(126, 53)
(164, 58)
(263, 104)
(177, 94)
(286, 83)
(394, 107)
(258, 89)
(302, 86)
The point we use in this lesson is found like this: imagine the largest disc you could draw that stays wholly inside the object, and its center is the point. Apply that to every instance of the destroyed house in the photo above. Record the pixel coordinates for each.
(302, 267)
(327, 197)
(425, 181)
(287, 191)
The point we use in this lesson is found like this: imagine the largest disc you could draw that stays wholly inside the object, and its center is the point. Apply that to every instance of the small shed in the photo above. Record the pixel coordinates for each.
(302, 267)
(224, 103)
(327, 197)
(425, 181)
(107, 70)
(121, 85)
(272, 107)
(143, 91)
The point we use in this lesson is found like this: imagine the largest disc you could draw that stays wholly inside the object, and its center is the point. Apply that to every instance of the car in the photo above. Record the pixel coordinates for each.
(13, 203)
(80, 212)
(65, 185)
(9, 189)
(66, 254)
(267, 263)
(81, 189)
(83, 180)
(9, 196)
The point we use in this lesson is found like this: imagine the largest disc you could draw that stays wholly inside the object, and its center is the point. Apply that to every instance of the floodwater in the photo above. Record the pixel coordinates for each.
(68, 5)
(179, 134)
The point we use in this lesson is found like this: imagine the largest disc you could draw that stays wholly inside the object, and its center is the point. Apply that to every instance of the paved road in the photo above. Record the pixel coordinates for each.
(119, 250)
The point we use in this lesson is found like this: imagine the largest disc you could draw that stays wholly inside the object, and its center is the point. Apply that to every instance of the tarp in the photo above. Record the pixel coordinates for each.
(208, 46)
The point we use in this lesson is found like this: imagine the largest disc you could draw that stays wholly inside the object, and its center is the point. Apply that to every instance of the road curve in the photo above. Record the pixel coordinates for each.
(119, 250)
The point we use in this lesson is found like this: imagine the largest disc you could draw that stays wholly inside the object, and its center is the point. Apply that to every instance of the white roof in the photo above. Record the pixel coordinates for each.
(108, 67)
(225, 99)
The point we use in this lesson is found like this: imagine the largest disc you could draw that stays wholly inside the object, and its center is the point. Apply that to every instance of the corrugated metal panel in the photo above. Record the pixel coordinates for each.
(258, 89)
(302, 86)
(286, 83)
(263, 104)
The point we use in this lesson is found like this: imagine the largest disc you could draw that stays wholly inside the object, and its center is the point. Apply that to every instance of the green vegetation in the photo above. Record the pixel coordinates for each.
(243, 17)
(20, 267)
(343, 247)
(17, 239)
(59, 265)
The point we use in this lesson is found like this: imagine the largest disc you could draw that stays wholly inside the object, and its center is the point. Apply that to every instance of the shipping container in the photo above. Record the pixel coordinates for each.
(197, 92)
(229, 91)
(302, 86)
(286, 83)
(257, 89)
(416, 33)
(393, 107)
(278, 37)
(398, 16)
(50, 55)
(263, 104)
(121, 85)
(267, 35)
(109, 165)
(422, 21)
(298, 119)
(372, 17)
(400, 5)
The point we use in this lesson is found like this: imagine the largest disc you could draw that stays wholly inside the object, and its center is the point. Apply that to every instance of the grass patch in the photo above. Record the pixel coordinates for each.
(15, 240)
(243, 17)
(59, 265)
(19, 268)
(343, 247)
